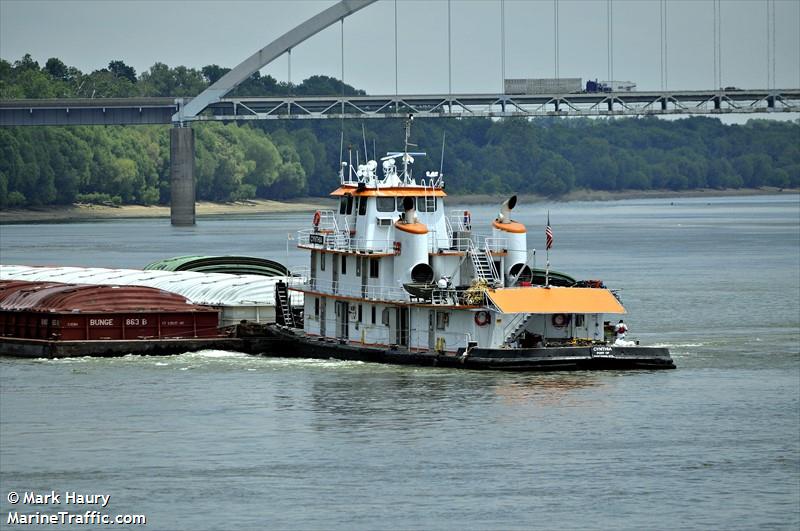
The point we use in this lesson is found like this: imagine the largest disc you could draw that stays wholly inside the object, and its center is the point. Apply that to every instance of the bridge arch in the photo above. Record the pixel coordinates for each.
(266, 55)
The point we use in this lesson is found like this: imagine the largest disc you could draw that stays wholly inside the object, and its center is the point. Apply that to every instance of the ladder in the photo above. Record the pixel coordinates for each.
(283, 306)
(483, 265)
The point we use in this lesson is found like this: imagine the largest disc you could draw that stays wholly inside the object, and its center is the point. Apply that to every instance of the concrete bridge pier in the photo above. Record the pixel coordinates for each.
(182, 170)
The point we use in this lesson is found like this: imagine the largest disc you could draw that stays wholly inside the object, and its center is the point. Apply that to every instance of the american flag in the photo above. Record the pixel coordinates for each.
(548, 232)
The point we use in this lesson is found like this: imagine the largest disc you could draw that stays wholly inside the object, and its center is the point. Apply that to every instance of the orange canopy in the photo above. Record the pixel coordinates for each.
(555, 300)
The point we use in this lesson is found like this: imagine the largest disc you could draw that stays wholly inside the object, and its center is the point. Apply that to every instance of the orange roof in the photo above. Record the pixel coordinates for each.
(389, 192)
(555, 300)
(511, 226)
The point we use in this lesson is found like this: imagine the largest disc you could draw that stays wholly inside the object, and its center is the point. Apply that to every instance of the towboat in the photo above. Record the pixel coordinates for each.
(395, 278)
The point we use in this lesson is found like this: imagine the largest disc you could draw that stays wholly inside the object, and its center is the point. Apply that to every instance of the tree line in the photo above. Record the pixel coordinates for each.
(283, 159)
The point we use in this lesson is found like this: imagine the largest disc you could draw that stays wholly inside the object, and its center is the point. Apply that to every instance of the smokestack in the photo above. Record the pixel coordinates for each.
(506, 208)
(410, 213)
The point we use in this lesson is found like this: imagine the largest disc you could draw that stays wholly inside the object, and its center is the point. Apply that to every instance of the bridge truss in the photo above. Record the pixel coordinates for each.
(161, 110)
(503, 105)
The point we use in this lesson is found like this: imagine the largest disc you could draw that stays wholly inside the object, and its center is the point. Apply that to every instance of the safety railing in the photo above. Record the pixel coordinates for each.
(359, 291)
(341, 241)
(495, 245)
(460, 220)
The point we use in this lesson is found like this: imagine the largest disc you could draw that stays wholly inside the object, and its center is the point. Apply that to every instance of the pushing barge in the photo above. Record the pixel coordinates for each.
(394, 278)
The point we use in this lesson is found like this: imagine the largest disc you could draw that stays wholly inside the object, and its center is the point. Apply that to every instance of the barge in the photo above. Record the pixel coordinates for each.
(55, 320)
(394, 278)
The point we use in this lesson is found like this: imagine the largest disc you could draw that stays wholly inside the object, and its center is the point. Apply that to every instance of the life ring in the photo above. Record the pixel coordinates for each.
(560, 320)
(482, 318)
(317, 217)
(467, 220)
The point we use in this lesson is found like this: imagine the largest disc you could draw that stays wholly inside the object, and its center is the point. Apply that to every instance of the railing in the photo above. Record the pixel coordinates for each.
(418, 338)
(493, 244)
(457, 220)
(348, 289)
(341, 241)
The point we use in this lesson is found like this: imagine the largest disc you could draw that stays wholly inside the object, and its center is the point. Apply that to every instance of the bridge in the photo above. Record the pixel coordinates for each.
(143, 111)
(213, 104)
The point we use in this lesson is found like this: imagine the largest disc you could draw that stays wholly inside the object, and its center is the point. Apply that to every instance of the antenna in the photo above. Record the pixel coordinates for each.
(364, 136)
(341, 147)
(405, 148)
(441, 161)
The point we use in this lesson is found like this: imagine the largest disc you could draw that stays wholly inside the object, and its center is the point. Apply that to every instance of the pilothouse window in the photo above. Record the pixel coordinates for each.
(362, 205)
(385, 204)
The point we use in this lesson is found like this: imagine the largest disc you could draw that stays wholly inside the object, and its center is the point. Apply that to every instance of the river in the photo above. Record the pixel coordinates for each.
(219, 440)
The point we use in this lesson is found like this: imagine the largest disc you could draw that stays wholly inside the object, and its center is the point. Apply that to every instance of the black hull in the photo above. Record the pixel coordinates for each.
(296, 344)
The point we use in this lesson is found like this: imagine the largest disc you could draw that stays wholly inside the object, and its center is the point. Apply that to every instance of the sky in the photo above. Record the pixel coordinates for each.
(89, 34)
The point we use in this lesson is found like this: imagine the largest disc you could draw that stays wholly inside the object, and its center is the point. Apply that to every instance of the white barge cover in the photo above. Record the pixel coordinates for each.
(250, 297)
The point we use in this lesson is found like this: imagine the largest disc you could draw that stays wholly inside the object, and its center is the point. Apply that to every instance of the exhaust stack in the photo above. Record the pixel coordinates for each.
(505, 209)
(409, 212)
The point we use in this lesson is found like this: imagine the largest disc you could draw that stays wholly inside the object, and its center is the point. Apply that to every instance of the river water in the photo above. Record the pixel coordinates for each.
(218, 440)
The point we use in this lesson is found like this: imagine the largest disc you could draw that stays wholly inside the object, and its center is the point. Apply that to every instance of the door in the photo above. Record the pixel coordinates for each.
(431, 330)
(402, 326)
(335, 272)
(342, 312)
(323, 303)
(364, 274)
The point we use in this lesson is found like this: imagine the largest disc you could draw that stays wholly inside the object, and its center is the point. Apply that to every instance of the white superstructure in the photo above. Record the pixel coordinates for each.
(392, 267)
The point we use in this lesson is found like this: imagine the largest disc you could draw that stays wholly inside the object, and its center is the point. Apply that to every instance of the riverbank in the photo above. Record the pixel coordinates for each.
(83, 212)
(601, 195)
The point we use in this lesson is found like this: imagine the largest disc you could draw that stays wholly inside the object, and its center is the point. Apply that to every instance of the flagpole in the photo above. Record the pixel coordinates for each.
(547, 246)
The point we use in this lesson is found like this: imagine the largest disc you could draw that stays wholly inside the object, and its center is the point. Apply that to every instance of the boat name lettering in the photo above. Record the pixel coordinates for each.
(316, 239)
(602, 352)
(101, 322)
(173, 323)
(135, 322)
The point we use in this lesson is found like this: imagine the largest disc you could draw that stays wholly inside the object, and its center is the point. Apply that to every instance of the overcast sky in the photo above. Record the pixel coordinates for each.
(89, 34)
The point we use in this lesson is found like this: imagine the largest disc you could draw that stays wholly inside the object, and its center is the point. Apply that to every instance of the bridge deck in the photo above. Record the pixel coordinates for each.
(137, 111)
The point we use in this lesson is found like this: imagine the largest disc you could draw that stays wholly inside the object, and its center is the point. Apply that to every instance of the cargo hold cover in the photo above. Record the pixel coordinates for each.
(555, 300)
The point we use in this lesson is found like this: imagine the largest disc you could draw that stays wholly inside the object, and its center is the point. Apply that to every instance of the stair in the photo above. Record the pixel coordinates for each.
(484, 266)
(283, 306)
(521, 321)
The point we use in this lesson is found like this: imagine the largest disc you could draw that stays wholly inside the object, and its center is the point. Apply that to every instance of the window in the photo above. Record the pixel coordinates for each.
(373, 314)
(374, 267)
(322, 261)
(342, 205)
(316, 306)
(385, 317)
(362, 205)
(579, 320)
(360, 314)
(442, 320)
(344, 264)
(385, 204)
(358, 266)
(349, 208)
